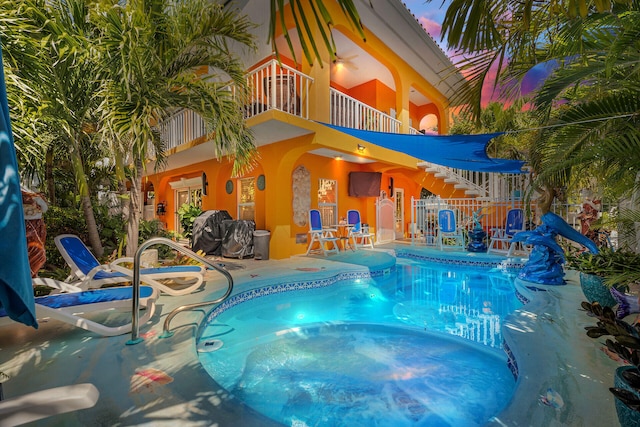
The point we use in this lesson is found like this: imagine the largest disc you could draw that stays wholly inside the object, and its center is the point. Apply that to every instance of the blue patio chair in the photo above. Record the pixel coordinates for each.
(321, 235)
(501, 238)
(358, 233)
(88, 273)
(449, 234)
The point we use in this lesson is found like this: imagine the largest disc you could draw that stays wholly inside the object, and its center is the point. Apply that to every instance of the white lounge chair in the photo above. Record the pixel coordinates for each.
(88, 273)
(71, 302)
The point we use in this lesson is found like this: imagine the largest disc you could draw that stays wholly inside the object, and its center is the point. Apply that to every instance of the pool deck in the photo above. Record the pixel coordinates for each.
(161, 382)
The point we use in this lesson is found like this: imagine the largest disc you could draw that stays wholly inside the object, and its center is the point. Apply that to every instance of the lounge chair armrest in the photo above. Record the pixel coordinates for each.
(60, 287)
(126, 259)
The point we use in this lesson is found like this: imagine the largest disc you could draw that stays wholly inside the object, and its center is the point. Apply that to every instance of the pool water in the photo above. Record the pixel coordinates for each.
(384, 352)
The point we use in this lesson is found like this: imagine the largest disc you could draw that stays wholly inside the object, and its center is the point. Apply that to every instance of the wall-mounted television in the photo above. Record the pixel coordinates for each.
(364, 184)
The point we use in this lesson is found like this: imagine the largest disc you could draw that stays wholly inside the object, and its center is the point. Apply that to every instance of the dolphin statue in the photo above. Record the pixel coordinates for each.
(545, 261)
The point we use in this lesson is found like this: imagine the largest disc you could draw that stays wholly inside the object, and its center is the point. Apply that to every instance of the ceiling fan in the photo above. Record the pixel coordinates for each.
(347, 61)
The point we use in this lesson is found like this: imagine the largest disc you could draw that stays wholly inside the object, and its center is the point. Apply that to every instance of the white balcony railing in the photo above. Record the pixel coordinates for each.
(181, 127)
(280, 87)
(349, 112)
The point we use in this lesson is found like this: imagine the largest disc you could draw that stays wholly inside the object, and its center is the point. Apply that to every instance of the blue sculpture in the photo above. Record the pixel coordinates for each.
(477, 235)
(545, 261)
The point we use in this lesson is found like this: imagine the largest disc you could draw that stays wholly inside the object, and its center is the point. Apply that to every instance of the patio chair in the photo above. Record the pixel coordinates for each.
(449, 234)
(71, 301)
(358, 232)
(321, 235)
(88, 273)
(501, 238)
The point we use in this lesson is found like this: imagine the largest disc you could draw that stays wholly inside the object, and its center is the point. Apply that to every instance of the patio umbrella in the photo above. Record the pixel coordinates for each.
(16, 290)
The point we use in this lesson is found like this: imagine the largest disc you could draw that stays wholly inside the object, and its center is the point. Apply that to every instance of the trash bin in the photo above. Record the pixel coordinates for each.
(261, 240)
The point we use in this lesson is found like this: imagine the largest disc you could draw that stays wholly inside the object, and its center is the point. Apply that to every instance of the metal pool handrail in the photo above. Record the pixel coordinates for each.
(135, 327)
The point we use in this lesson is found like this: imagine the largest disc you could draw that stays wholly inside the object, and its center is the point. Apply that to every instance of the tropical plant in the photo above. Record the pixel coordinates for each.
(152, 53)
(307, 18)
(188, 214)
(155, 228)
(619, 269)
(51, 73)
(625, 346)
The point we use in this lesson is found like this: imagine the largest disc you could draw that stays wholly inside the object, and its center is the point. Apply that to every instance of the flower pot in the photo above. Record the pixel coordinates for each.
(626, 416)
(594, 290)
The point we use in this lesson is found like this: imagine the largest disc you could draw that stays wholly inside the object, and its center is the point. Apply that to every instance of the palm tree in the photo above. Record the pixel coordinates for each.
(51, 75)
(151, 52)
(305, 26)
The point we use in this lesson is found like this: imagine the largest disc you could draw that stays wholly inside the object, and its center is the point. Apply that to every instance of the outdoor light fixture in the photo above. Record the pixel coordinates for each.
(338, 157)
(361, 148)
(161, 208)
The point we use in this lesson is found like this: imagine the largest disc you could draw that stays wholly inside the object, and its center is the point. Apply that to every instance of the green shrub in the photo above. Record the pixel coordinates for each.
(188, 214)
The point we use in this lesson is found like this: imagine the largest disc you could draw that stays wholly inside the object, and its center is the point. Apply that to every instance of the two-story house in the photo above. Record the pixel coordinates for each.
(397, 81)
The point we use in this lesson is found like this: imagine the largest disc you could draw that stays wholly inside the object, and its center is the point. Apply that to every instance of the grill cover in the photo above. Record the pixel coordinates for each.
(208, 232)
(238, 239)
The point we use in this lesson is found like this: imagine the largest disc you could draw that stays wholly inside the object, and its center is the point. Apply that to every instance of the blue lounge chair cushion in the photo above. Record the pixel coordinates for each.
(88, 297)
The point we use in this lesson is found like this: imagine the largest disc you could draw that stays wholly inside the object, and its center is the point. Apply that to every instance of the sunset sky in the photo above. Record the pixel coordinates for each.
(431, 15)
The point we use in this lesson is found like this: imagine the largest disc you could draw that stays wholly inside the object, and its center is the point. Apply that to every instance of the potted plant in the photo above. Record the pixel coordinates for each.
(625, 346)
(604, 270)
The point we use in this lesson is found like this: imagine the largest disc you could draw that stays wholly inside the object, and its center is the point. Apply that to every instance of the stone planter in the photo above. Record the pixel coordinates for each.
(594, 290)
(626, 416)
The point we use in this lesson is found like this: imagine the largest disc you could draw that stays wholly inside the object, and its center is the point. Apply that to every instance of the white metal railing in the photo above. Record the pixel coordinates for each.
(349, 112)
(424, 215)
(280, 87)
(181, 127)
(271, 86)
(481, 184)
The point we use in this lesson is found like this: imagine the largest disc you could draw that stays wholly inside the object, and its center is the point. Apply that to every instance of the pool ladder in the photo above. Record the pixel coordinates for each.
(135, 323)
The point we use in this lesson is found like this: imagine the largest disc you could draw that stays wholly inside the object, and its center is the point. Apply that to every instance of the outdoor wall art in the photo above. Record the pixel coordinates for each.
(301, 189)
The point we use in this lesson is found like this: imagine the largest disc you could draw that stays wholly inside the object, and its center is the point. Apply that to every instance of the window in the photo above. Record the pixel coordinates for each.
(246, 199)
(328, 201)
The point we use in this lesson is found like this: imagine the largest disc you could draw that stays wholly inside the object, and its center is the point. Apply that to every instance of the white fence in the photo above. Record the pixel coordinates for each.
(491, 214)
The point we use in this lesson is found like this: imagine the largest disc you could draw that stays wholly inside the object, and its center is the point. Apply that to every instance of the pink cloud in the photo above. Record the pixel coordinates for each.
(433, 28)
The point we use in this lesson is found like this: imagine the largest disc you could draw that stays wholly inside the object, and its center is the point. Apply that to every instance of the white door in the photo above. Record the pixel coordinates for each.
(385, 220)
(399, 213)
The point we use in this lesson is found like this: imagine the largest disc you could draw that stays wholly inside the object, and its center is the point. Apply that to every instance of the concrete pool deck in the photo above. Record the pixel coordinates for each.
(161, 382)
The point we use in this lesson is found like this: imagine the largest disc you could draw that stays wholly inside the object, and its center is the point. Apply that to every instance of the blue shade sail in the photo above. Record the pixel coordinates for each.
(16, 289)
(468, 152)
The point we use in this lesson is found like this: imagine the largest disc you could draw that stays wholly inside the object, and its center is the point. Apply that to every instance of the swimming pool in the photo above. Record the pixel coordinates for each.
(397, 349)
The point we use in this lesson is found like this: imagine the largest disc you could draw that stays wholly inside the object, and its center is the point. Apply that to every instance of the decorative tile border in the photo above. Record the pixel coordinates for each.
(292, 286)
(506, 264)
(511, 360)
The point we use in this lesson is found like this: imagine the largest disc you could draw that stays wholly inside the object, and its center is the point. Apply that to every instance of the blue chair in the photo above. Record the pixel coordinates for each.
(358, 233)
(321, 235)
(449, 234)
(501, 238)
(88, 273)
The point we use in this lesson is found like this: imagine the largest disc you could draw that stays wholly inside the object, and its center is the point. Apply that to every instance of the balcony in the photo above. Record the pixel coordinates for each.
(274, 86)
